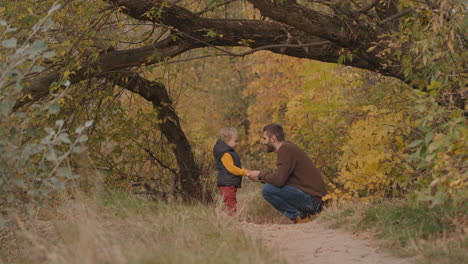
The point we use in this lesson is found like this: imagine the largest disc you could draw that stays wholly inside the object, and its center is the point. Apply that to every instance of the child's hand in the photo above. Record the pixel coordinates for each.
(253, 175)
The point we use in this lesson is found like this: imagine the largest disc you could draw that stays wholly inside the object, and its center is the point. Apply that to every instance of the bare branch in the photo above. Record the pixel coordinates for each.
(368, 7)
(396, 16)
(153, 156)
(208, 9)
(431, 4)
(268, 47)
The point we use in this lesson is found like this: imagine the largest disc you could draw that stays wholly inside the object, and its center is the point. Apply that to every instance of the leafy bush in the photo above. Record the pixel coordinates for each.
(34, 160)
(439, 151)
(373, 161)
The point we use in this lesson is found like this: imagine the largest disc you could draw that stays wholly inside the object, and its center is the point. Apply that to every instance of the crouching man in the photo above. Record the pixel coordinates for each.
(296, 187)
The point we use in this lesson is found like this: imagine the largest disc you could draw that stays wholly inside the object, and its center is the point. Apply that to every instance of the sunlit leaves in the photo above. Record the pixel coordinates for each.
(371, 164)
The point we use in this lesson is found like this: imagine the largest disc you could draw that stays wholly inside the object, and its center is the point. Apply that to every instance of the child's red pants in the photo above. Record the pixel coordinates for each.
(229, 197)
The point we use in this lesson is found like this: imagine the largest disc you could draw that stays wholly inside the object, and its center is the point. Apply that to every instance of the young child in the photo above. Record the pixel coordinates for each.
(230, 170)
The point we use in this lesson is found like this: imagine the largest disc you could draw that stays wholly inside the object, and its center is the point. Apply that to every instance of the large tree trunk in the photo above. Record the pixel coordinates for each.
(156, 93)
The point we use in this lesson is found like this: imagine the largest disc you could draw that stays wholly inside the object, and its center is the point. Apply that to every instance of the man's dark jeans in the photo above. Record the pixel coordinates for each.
(291, 201)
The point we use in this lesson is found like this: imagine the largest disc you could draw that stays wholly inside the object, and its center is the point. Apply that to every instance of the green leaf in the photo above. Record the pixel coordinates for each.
(10, 197)
(64, 138)
(3, 222)
(82, 138)
(49, 130)
(51, 155)
(37, 47)
(47, 25)
(89, 123)
(435, 146)
(49, 54)
(5, 108)
(422, 165)
(9, 43)
(20, 183)
(438, 198)
(77, 149)
(37, 69)
(371, 49)
(64, 172)
(58, 183)
(80, 129)
(415, 143)
(434, 85)
(407, 71)
(54, 108)
(428, 137)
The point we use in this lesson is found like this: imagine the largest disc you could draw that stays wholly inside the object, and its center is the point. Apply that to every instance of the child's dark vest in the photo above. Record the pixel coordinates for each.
(225, 178)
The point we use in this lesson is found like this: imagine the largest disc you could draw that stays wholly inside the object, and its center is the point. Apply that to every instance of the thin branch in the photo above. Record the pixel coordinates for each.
(368, 7)
(282, 46)
(431, 4)
(107, 8)
(147, 150)
(214, 7)
(230, 54)
(195, 58)
(145, 39)
(256, 49)
(203, 42)
(396, 16)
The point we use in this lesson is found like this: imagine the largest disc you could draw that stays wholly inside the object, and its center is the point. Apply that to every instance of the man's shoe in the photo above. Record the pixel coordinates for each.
(302, 220)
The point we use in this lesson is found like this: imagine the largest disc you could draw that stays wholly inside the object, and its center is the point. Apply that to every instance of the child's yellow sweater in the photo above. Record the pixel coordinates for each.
(228, 163)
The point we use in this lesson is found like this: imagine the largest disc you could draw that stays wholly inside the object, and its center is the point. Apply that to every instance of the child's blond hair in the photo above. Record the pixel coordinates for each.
(227, 133)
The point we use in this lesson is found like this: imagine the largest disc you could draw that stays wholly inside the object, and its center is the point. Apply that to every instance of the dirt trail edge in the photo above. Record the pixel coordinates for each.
(314, 243)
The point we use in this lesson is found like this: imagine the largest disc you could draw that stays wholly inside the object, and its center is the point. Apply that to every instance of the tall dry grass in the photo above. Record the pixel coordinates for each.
(122, 228)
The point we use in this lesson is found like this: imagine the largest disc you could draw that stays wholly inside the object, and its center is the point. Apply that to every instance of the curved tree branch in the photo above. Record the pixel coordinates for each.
(298, 35)
(280, 39)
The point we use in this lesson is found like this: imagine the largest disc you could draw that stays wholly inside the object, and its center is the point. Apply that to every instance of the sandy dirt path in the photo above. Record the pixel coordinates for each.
(314, 243)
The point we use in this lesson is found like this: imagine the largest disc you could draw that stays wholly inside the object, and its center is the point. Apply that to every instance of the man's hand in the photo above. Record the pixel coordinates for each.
(253, 175)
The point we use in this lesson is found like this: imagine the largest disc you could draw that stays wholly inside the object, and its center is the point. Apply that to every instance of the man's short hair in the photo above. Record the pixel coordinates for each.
(275, 129)
(227, 133)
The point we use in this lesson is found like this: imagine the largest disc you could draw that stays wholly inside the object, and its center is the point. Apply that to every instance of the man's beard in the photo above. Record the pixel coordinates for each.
(270, 147)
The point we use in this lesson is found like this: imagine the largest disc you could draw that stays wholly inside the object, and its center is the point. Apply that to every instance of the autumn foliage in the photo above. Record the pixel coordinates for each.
(371, 136)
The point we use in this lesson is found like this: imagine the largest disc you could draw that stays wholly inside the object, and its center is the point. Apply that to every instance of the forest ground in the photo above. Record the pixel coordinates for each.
(313, 242)
(122, 228)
